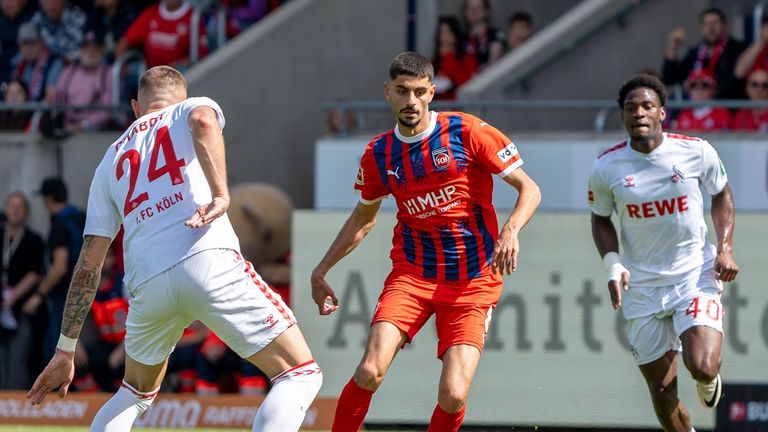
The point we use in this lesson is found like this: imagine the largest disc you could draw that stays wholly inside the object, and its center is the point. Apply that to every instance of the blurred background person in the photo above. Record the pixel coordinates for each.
(61, 26)
(701, 86)
(15, 91)
(754, 119)
(13, 13)
(453, 65)
(716, 54)
(35, 65)
(22, 263)
(111, 19)
(86, 82)
(756, 54)
(65, 239)
(519, 29)
(484, 41)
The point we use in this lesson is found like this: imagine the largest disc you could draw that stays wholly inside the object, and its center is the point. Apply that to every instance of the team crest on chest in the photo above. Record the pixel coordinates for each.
(677, 175)
(441, 158)
(629, 181)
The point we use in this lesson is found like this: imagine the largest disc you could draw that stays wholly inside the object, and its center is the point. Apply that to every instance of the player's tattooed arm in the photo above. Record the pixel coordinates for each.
(85, 282)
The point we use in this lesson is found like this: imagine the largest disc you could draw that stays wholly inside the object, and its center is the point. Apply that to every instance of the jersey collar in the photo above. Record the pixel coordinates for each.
(175, 15)
(420, 136)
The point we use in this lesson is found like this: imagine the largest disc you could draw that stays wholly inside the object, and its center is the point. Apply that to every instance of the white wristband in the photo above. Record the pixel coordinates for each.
(66, 343)
(613, 265)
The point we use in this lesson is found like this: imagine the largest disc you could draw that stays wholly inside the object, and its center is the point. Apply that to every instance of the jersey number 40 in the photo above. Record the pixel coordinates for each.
(172, 167)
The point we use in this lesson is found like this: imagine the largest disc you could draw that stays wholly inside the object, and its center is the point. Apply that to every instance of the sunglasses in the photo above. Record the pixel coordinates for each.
(759, 85)
(700, 85)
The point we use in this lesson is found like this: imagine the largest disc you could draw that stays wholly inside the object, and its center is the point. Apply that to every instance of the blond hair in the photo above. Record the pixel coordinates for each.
(161, 78)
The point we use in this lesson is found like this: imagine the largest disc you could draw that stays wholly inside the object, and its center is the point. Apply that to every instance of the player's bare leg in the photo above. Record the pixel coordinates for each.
(459, 366)
(384, 341)
(296, 379)
(661, 377)
(701, 355)
(140, 386)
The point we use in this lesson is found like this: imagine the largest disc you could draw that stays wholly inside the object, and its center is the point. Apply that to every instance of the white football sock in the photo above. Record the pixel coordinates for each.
(119, 413)
(287, 402)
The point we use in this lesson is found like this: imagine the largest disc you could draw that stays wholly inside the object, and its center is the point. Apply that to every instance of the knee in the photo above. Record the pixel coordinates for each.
(369, 376)
(705, 370)
(451, 400)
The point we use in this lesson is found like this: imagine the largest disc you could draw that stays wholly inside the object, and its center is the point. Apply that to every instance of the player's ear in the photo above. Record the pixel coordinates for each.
(432, 90)
(135, 107)
(663, 114)
(386, 91)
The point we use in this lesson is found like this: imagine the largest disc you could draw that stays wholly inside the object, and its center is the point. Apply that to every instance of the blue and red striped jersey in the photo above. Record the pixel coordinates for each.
(442, 182)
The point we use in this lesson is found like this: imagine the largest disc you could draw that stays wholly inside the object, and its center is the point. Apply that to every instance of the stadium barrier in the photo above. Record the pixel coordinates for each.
(168, 411)
(556, 353)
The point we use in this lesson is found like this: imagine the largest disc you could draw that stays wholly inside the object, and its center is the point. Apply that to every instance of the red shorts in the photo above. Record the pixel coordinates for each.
(462, 308)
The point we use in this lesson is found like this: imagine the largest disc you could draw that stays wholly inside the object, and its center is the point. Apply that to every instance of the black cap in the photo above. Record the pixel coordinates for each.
(92, 37)
(55, 188)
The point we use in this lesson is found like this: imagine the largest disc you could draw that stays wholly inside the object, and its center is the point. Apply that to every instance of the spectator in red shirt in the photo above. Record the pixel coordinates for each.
(453, 65)
(754, 119)
(486, 42)
(163, 33)
(701, 86)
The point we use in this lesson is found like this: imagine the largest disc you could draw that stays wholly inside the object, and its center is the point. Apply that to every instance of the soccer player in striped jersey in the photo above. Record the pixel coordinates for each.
(448, 255)
(668, 280)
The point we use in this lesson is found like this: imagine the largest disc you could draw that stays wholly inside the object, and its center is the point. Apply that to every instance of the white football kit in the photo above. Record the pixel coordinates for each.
(658, 201)
(151, 182)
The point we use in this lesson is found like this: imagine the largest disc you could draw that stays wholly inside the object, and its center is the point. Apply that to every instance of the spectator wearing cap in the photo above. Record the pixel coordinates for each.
(112, 19)
(65, 240)
(754, 119)
(86, 82)
(61, 27)
(716, 53)
(34, 65)
(702, 86)
(13, 13)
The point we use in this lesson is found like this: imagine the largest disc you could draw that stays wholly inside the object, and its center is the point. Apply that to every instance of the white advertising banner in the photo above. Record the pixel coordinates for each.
(556, 351)
(560, 165)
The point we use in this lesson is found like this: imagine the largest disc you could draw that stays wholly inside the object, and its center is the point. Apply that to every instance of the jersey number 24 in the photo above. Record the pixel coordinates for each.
(172, 167)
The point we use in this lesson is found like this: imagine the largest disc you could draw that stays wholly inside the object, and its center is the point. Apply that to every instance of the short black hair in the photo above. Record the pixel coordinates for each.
(713, 10)
(520, 16)
(411, 64)
(643, 80)
(55, 188)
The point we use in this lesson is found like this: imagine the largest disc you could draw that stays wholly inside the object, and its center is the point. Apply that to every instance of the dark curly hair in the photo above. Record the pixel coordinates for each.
(642, 81)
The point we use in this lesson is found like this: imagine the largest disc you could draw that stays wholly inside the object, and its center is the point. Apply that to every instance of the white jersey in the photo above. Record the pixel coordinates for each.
(151, 181)
(657, 198)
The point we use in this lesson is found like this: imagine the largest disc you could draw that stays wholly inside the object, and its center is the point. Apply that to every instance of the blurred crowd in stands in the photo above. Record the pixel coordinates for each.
(34, 278)
(63, 51)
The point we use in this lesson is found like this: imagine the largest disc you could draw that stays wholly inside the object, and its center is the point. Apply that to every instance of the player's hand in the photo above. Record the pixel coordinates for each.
(57, 375)
(207, 213)
(615, 287)
(725, 267)
(322, 294)
(504, 260)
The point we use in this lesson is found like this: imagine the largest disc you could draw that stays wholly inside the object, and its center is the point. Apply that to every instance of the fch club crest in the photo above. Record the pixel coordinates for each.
(441, 158)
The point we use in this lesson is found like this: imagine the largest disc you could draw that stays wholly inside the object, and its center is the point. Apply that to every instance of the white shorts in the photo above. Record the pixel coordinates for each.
(656, 317)
(217, 287)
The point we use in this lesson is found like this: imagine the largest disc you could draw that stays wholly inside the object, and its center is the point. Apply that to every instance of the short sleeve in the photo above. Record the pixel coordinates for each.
(713, 175)
(599, 195)
(103, 218)
(492, 148)
(368, 181)
(195, 102)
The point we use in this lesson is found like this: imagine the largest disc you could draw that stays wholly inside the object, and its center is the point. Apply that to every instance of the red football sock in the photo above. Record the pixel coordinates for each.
(352, 407)
(445, 422)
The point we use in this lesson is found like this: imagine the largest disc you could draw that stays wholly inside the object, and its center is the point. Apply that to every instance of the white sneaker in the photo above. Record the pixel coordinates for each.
(709, 394)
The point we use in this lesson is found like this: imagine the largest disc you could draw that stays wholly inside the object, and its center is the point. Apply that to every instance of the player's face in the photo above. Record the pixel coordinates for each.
(643, 114)
(409, 98)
